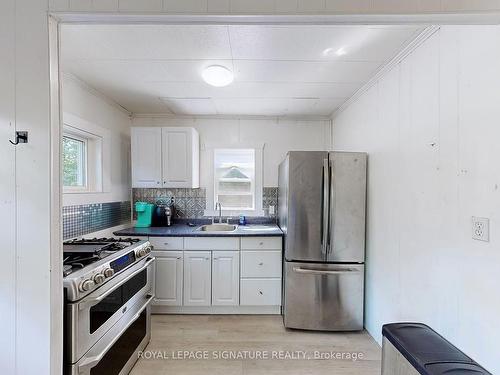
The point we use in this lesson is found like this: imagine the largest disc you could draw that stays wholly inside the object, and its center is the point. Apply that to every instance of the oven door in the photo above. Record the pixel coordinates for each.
(118, 350)
(91, 317)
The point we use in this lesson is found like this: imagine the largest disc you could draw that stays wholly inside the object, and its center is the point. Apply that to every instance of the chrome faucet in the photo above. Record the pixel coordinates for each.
(218, 206)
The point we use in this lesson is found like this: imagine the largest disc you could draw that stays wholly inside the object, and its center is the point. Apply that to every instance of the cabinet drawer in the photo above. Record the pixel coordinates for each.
(261, 243)
(167, 243)
(212, 243)
(261, 263)
(260, 292)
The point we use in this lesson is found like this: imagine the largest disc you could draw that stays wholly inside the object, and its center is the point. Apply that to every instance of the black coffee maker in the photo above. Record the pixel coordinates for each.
(163, 213)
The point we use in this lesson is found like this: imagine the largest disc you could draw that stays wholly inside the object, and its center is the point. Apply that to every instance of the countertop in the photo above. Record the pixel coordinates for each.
(183, 230)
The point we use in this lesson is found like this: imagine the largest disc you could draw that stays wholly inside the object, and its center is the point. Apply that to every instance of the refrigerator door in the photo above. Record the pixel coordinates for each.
(307, 197)
(326, 297)
(347, 207)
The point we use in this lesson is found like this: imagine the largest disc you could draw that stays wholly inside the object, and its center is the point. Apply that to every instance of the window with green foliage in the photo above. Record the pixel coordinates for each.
(74, 162)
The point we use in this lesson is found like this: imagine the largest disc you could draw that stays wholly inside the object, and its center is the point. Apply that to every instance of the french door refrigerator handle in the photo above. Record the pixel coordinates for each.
(326, 206)
(324, 272)
(331, 200)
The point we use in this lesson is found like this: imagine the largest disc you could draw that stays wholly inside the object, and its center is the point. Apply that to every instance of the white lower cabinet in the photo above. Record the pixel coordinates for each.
(168, 279)
(260, 292)
(197, 278)
(212, 275)
(225, 278)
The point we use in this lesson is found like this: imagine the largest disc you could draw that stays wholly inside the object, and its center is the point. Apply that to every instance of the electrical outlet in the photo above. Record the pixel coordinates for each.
(480, 228)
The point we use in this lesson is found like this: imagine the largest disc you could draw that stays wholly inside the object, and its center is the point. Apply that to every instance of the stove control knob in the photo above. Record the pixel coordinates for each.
(99, 278)
(141, 252)
(148, 248)
(108, 272)
(86, 285)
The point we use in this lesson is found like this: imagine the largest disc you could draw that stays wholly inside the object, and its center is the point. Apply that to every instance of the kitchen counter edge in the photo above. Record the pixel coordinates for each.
(183, 230)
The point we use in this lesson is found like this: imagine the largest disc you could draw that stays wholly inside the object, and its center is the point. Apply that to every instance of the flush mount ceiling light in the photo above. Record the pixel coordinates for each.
(341, 51)
(330, 51)
(217, 75)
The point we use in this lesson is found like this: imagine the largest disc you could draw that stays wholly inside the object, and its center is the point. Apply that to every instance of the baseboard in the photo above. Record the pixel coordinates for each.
(248, 310)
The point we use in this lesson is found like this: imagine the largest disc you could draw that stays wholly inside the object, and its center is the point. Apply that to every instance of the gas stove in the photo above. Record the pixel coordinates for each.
(90, 262)
(108, 288)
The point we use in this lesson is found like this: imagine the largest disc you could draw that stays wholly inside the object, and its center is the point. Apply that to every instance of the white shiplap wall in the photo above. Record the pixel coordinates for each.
(26, 342)
(431, 128)
(84, 103)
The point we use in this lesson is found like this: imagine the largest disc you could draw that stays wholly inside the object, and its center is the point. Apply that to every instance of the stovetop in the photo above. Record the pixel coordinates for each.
(80, 253)
(91, 263)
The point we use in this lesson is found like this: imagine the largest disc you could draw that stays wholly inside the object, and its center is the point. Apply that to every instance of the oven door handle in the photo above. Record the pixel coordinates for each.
(89, 362)
(94, 301)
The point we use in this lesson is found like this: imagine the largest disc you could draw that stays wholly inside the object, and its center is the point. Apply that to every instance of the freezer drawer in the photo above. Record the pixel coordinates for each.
(325, 297)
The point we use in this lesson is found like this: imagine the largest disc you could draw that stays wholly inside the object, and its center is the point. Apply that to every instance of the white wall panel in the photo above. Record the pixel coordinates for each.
(80, 102)
(185, 6)
(435, 119)
(140, 5)
(7, 187)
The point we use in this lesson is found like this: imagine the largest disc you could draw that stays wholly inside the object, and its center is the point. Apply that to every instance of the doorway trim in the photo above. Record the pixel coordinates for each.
(56, 19)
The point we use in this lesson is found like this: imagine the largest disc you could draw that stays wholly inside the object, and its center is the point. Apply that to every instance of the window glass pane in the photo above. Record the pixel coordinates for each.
(235, 179)
(74, 162)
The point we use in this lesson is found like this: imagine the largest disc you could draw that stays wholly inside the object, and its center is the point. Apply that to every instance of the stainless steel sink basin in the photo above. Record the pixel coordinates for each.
(218, 228)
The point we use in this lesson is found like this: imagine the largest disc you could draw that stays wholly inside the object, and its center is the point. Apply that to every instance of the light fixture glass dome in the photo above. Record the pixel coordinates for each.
(217, 75)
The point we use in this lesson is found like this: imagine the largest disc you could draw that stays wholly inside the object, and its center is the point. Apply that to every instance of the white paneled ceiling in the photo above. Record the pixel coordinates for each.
(279, 70)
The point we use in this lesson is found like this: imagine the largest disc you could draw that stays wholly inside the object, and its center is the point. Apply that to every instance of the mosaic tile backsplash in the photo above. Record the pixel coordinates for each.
(82, 219)
(191, 203)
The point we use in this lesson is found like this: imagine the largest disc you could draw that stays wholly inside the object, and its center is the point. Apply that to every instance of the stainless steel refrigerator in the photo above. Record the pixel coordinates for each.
(321, 207)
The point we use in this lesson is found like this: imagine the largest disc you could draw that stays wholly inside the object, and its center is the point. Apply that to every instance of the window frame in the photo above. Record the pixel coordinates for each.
(68, 133)
(98, 139)
(258, 177)
(216, 180)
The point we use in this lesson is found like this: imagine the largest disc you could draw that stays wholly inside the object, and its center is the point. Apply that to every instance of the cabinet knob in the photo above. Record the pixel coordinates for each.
(179, 257)
(260, 292)
(208, 258)
(165, 243)
(261, 243)
(261, 263)
(157, 182)
(214, 258)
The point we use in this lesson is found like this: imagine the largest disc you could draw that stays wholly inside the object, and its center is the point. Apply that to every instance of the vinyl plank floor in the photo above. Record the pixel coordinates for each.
(176, 339)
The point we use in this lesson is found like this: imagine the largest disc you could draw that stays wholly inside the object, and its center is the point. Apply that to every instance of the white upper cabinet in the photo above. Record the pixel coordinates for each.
(146, 157)
(165, 157)
(180, 157)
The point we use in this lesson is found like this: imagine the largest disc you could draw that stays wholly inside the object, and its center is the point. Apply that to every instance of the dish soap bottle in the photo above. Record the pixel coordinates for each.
(242, 220)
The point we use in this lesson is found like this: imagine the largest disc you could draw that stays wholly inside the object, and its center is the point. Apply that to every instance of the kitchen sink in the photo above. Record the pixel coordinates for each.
(218, 228)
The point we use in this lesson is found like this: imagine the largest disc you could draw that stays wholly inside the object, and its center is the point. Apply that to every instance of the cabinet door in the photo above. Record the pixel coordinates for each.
(197, 278)
(179, 155)
(146, 157)
(168, 284)
(225, 278)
